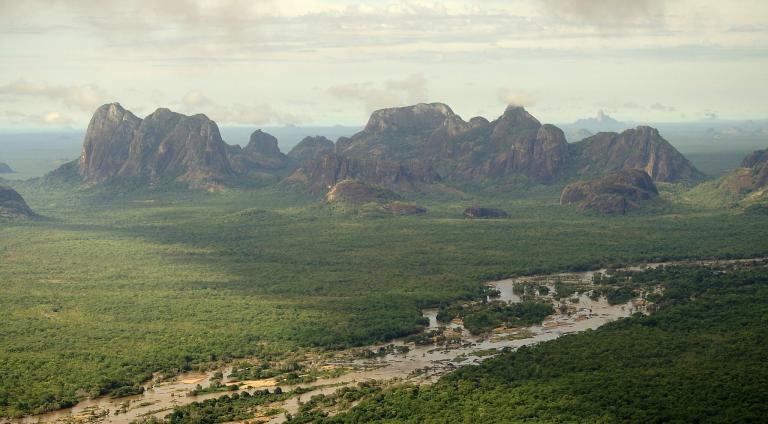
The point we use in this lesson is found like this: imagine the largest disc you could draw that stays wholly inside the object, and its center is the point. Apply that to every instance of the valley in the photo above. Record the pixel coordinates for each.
(164, 267)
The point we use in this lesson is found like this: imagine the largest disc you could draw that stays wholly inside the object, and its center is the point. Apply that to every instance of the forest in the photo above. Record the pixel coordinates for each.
(109, 289)
(700, 358)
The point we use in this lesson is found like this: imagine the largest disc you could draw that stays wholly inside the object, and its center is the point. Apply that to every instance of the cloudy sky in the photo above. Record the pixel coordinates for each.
(323, 62)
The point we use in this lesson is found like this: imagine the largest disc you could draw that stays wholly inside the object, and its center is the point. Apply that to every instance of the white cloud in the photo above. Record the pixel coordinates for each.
(195, 99)
(608, 13)
(516, 98)
(55, 118)
(83, 97)
(401, 92)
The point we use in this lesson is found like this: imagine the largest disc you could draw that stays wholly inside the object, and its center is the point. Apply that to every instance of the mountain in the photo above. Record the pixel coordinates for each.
(5, 169)
(311, 148)
(403, 148)
(107, 142)
(165, 146)
(751, 179)
(613, 193)
(601, 122)
(514, 147)
(12, 205)
(261, 154)
(321, 174)
(639, 148)
(577, 134)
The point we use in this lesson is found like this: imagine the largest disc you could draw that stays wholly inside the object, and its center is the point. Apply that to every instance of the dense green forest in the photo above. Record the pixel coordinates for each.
(700, 358)
(106, 291)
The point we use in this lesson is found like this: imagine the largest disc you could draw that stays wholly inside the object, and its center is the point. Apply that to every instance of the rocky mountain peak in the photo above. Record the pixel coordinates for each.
(263, 143)
(107, 140)
(419, 117)
(164, 146)
(311, 148)
(639, 148)
(517, 115)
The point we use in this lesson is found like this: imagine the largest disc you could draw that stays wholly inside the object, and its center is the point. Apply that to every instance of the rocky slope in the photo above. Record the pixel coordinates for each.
(311, 148)
(513, 147)
(261, 154)
(639, 148)
(12, 205)
(165, 146)
(614, 193)
(321, 174)
(751, 178)
(5, 169)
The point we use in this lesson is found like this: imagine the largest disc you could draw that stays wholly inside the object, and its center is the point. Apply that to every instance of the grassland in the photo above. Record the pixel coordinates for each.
(110, 289)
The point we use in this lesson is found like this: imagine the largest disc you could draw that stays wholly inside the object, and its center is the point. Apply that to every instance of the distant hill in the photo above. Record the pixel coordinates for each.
(12, 205)
(586, 127)
(5, 169)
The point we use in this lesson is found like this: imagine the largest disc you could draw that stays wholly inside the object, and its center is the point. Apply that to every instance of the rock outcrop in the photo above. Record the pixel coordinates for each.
(321, 174)
(107, 142)
(484, 213)
(261, 154)
(311, 148)
(614, 193)
(514, 147)
(5, 169)
(640, 148)
(12, 205)
(165, 146)
(353, 192)
(751, 178)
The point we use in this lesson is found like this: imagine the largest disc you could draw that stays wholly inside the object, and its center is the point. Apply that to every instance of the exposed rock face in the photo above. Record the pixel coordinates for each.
(12, 205)
(476, 212)
(751, 177)
(5, 169)
(354, 192)
(614, 193)
(321, 174)
(260, 154)
(401, 133)
(165, 146)
(514, 147)
(170, 146)
(398, 208)
(107, 142)
(640, 148)
(311, 148)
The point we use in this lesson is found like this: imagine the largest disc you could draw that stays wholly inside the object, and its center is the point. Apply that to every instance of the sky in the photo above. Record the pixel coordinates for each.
(312, 62)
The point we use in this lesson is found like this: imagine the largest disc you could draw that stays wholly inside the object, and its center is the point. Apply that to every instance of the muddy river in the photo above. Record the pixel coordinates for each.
(421, 364)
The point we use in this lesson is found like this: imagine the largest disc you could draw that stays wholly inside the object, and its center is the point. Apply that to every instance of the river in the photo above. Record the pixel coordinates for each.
(421, 364)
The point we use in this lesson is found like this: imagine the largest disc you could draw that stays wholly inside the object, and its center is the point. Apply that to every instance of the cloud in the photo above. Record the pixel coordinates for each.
(256, 115)
(662, 108)
(516, 98)
(608, 13)
(83, 97)
(195, 99)
(409, 90)
(55, 118)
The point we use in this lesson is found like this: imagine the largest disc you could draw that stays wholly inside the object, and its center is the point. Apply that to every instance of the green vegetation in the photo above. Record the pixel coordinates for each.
(112, 288)
(700, 358)
(479, 317)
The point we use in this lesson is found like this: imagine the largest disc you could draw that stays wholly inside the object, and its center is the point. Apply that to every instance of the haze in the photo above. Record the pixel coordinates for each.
(333, 62)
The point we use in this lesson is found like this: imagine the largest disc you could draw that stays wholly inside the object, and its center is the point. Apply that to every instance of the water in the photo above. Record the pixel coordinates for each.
(422, 364)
